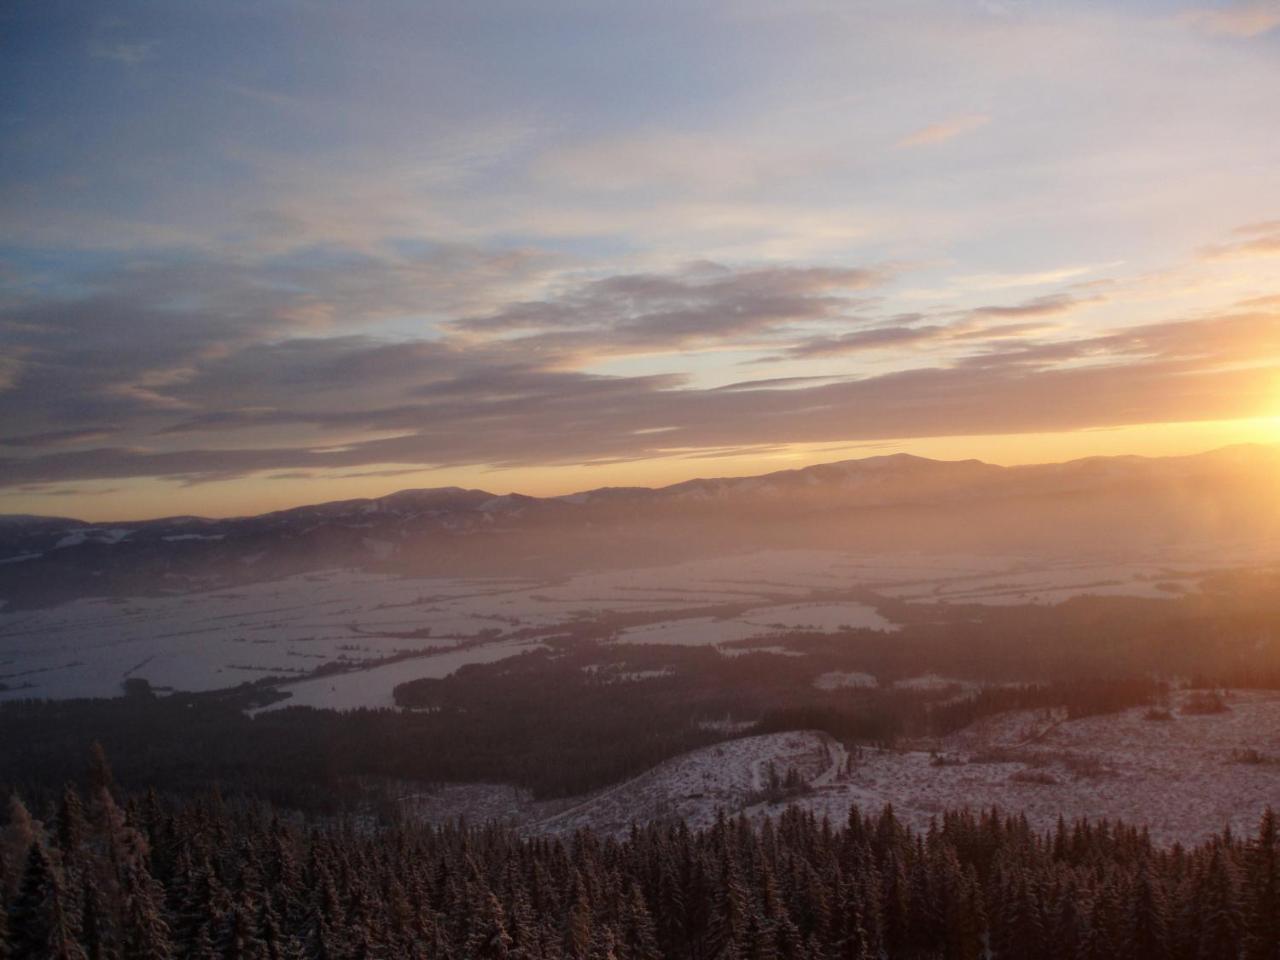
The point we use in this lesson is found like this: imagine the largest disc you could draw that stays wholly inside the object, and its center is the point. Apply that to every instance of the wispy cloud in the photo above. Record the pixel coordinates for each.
(915, 330)
(1252, 240)
(129, 52)
(510, 389)
(1047, 306)
(1245, 19)
(1215, 368)
(945, 130)
(702, 306)
(1034, 278)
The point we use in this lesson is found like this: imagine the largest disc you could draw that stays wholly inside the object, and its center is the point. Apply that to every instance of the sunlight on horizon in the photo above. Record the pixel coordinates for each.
(149, 499)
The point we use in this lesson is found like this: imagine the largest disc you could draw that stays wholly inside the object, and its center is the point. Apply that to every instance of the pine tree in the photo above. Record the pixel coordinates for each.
(91, 925)
(1262, 892)
(1070, 931)
(240, 937)
(522, 926)
(201, 945)
(895, 907)
(62, 943)
(275, 946)
(855, 944)
(604, 945)
(28, 914)
(319, 942)
(966, 919)
(726, 931)
(42, 928)
(145, 932)
(639, 935)
(15, 843)
(100, 776)
(70, 825)
(578, 922)
(1218, 904)
(1147, 928)
(1022, 931)
(489, 939)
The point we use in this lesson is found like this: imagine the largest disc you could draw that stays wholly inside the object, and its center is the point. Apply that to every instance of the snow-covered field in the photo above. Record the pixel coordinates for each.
(1034, 583)
(843, 679)
(209, 641)
(288, 628)
(694, 787)
(1184, 778)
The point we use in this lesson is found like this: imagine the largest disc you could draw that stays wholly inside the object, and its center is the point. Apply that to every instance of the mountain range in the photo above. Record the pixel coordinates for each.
(878, 504)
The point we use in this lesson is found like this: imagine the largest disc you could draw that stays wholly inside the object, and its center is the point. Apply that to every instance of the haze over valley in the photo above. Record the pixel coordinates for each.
(858, 582)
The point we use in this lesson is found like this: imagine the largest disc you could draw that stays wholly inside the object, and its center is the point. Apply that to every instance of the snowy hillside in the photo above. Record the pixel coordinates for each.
(1184, 777)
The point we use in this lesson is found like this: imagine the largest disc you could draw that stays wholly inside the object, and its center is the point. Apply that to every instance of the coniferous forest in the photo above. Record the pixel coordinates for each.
(104, 875)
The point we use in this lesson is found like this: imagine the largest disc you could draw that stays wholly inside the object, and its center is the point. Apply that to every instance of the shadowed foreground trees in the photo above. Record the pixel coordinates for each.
(209, 879)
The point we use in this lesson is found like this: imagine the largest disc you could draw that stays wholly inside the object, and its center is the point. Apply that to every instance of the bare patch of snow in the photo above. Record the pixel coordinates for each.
(839, 679)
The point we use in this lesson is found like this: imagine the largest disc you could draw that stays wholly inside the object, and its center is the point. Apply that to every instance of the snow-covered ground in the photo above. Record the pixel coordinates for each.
(843, 679)
(1019, 584)
(694, 787)
(208, 641)
(1183, 778)
(288, 628)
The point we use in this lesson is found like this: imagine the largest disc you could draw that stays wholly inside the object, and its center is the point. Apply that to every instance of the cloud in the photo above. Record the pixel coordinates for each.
(1046, 306)
(338, 362)
(857, 341)
(979, 282)
(945, 130)
(1256, 240)
(77, 492)
(704, 304)
(1247, 19)
(316, 404)
(138, 344)
(128, 52)
(909, 330)
(58, 438)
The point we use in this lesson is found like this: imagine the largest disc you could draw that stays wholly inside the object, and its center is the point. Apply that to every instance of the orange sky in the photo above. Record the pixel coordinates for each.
(339, 253)
(139, 501)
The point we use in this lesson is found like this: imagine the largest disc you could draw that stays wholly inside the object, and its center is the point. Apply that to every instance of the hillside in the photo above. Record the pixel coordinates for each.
(882, 504)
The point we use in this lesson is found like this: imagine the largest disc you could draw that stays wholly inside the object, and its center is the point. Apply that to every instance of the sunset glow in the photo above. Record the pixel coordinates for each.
(258, 256)
(568, 480)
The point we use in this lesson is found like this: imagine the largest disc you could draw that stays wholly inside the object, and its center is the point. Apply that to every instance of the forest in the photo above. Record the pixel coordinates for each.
(98, 873)
(540, 720)
(587, 711)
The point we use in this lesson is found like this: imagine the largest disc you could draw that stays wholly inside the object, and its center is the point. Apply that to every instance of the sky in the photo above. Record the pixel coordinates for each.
(260, 254)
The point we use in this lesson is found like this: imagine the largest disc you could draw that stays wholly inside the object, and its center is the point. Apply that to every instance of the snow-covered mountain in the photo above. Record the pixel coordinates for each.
(879, 503)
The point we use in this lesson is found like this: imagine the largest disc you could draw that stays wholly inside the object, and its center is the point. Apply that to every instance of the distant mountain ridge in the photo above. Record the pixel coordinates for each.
(879, 503)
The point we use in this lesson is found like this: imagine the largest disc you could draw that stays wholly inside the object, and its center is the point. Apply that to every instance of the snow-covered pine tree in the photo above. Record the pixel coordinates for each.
(1262, 891)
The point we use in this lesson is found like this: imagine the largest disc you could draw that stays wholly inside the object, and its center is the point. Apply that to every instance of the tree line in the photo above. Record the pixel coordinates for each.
(102, 875)
(559, 722)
